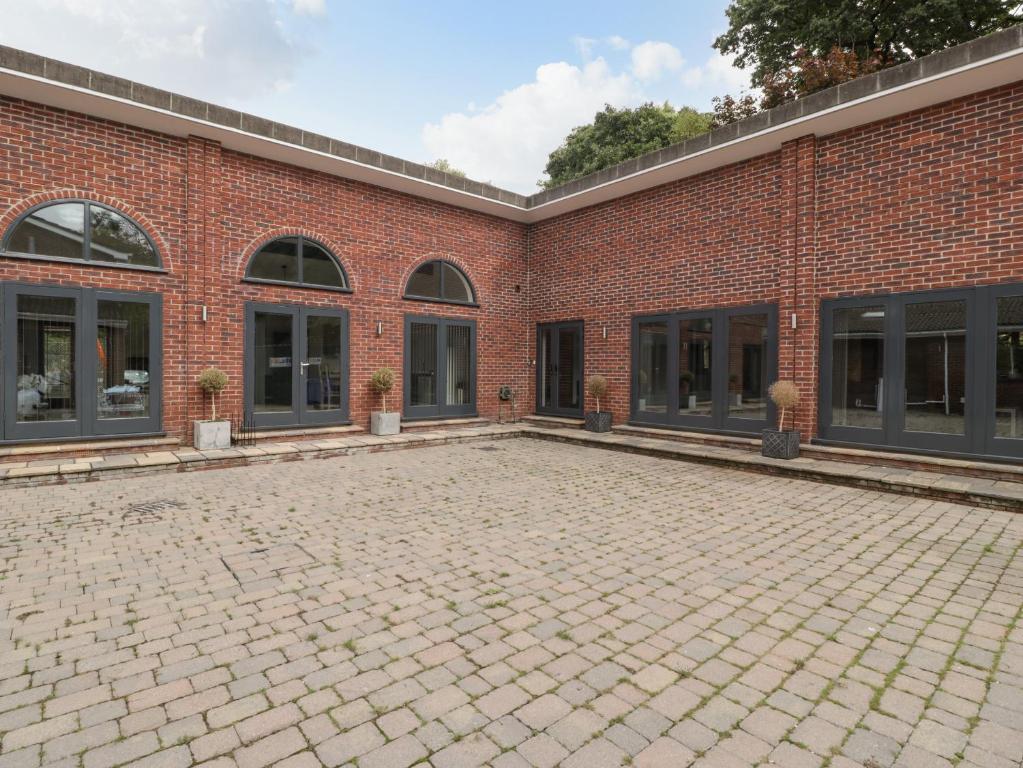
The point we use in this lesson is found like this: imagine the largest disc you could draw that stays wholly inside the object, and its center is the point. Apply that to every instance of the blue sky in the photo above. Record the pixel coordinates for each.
(492, 87)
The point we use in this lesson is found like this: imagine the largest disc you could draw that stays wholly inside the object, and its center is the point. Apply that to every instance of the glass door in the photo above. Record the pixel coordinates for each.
(296, 365)
(559, 369)
(440, 367)
(1004, 367)
(43, 348)
(79, 362)
(705, 370)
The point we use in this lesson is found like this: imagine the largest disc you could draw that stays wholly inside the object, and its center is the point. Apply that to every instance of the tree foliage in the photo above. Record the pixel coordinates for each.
(616, 135)
(765, 35)
(443, 165)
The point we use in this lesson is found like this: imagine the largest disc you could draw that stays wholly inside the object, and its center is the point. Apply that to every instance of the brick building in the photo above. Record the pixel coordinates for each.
(866, 242)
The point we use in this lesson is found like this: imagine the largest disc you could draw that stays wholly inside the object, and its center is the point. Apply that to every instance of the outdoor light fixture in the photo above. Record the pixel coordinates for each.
(605, 331)
(380, 328)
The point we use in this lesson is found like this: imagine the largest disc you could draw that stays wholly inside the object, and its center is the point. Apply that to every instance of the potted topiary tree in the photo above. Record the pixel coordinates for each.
(782, 443)
(382, 422)
(212, 433)
(686, 398)
(598, 420)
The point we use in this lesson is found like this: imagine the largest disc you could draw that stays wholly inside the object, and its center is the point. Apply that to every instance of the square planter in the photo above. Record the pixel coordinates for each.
(381, 423)
(211, 435)
(780, 444)
(598, 422)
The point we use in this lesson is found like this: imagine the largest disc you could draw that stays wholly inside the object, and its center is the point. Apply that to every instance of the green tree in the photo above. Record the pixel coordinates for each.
(443, 165)
(621, 134)
(765, 35)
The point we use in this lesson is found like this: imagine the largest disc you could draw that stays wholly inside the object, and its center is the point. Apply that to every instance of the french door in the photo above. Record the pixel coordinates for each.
(440, 367)
(559, 369)
(79, 362)
(934, 371)
(296, 365)
(706, 369)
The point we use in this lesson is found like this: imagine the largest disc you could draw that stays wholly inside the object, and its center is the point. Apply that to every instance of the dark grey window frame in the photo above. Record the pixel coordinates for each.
(87, 424)
(719, 421)
(580, 362)
(980, 380)
(439, 299)
(438, 410)
(86, 239)
(298, 416)
(300, 283)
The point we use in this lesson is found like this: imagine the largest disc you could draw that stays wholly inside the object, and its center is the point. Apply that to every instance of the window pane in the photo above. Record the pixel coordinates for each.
(423, 364)
(273, 363)
(323, 374)
(547, 367)
(276, 261)
(459, 386)
(56, 230)
(653, 368)
(319, 268)
(45, 350)
(425, 281)
(456, 287)
(694, 367)
(857, 369)
(1009, 368)
(936, 367)
(747, 367)
(114, 237)
(122, 360)
(569, 383)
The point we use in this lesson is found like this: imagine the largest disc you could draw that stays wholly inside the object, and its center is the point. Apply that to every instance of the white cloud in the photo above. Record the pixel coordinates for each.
(310, 7)
(618, 42)
(650, 60)
(226, 50)
(584, 45)
(509, 140)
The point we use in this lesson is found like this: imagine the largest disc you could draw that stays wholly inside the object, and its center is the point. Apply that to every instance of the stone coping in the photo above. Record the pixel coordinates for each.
(951, 487)
(924, 68)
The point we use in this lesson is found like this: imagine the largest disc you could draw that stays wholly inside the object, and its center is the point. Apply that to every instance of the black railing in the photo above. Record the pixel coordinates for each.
(243, 429)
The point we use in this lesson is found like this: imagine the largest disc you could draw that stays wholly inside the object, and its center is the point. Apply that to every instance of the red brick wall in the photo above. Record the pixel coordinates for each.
(930, 199)
(925, 200)
(208, 210)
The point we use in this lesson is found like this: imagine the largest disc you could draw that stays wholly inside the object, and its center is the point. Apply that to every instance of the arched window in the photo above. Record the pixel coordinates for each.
(81, 230)
(297, 261)
(440, 281)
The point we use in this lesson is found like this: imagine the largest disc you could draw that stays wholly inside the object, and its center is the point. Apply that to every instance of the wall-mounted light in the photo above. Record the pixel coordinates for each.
(605, 331)
(204, 316)
(380, 328)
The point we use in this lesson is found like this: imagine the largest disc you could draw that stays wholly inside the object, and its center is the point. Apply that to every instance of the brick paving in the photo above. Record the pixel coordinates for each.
(511, 603)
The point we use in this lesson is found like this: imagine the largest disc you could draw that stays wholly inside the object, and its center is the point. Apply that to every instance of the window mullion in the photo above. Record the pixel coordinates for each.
(87, 234)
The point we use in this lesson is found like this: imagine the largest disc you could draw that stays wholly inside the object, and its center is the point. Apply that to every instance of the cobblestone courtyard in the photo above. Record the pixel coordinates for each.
(512, 603)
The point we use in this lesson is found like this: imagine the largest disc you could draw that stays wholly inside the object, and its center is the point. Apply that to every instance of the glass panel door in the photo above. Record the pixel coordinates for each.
(747, 367)
(560, 369)
(296, 361)
(935, 367)
(43, 360)
(440, 367)
(651, 370)
(1008, 405)
(696, 370)
(324, 370)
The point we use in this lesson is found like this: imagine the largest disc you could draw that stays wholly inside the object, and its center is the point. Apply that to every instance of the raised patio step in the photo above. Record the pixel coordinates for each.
(553, 422)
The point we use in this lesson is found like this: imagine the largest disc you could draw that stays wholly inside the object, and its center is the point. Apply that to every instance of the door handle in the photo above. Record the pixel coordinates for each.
(302, 367)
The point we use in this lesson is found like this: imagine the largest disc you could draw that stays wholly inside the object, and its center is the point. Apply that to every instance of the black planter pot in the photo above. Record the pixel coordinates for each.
(780, 444)
(598, 422)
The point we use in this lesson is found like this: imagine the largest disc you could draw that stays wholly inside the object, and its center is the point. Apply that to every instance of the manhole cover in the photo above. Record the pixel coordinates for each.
(149, 512)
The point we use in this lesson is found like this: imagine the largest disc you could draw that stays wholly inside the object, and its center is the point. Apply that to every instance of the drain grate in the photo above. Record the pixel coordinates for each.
(149, 512)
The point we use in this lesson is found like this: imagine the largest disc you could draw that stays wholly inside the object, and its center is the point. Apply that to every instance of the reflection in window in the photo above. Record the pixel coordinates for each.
(1009, 368)
(694, 367)
(45, 355)
(82, 230)
(858, 367)
(936, 367)
(423, 364)
(122, 364)
(747, 366)
(653, 367)
(323, 372)
(459, 362)
(440, 281)
(297, 261)
(273, 352)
